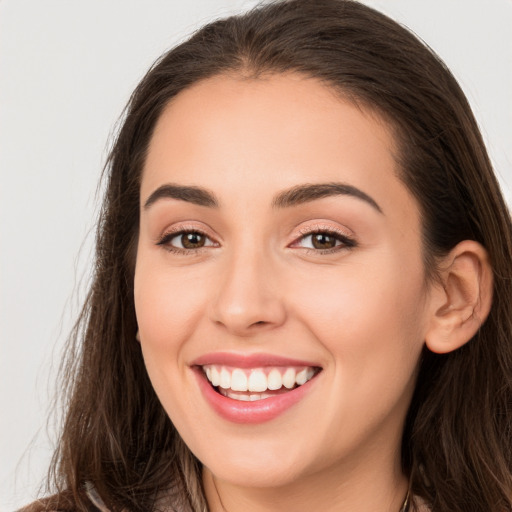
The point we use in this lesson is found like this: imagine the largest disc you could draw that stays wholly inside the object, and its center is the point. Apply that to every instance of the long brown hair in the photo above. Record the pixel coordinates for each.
(457, 439)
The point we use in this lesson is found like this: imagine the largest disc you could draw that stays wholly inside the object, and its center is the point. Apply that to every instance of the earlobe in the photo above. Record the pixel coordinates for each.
(462, 301)
(137, 336)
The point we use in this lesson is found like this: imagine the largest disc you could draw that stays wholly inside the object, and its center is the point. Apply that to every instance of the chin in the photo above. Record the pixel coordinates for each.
(256, 475)
(260, 464)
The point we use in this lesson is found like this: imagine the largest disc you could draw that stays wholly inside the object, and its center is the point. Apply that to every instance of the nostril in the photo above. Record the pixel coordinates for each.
(259, 324)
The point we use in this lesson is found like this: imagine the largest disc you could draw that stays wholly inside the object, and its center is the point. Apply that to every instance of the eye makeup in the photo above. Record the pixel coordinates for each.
(319, 239)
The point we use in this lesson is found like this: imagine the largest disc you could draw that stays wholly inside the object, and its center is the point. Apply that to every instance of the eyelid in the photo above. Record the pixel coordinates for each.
(178, 227)
(346, 236)
(169, 233)
(320, 226)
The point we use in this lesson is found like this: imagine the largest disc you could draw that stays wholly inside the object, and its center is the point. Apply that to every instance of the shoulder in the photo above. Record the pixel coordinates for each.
(51, 504)
(419, 505)
(62, 502)
(37, 506)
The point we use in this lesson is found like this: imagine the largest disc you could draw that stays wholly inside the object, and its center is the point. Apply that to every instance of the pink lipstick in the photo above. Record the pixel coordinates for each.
(253, 388)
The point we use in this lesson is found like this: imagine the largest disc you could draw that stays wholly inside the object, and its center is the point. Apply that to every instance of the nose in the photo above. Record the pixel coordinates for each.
(249, 299)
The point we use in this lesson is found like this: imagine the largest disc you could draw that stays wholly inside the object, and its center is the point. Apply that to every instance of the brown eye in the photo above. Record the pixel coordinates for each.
(186, 241)
(192, 240)
(323, 241)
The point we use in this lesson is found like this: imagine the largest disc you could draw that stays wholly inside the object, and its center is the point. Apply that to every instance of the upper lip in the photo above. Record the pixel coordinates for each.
(257, 360)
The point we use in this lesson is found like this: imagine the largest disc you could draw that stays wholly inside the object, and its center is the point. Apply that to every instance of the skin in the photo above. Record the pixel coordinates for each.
(362, 313)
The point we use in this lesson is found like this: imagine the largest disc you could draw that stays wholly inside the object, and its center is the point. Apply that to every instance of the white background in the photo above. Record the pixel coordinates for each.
(66, 70)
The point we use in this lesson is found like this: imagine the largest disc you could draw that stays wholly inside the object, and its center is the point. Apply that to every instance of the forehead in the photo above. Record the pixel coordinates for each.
(240, 136)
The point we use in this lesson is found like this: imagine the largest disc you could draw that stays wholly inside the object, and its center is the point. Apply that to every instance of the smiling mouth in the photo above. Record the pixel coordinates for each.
(252, 384)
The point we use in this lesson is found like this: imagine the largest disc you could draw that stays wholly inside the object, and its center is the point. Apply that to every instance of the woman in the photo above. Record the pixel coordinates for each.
(302, 292)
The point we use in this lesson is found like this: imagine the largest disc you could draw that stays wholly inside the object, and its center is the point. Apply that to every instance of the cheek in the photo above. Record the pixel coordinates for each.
(367, 315)
(369, 321)
(168, 307)
(168, 303)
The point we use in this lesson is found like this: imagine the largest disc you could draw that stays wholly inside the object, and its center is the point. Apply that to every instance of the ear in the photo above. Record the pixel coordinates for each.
(137, 336)
(462, 301)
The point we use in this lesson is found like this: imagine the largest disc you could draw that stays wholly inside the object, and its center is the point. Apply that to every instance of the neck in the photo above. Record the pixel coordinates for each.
(372, 487)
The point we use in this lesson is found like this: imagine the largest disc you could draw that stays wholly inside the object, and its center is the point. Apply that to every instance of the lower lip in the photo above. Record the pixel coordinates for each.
(259, 411)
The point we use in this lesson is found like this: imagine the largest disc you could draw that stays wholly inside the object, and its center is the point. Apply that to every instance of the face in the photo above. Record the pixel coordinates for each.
(279, 286)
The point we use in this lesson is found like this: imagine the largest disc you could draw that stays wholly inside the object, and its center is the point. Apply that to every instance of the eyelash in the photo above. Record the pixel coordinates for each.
(346, 241)
(170, 235)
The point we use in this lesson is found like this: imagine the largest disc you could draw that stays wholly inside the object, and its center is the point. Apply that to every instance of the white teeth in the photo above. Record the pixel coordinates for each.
(302, 377)
(257, 381)
(251, 384)
(244, 397)
(215, 377)
(225, 379)
(238, 380)
(274, 380)
(289, 378)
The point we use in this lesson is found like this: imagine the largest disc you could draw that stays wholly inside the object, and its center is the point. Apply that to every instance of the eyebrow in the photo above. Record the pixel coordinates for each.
(310, 192)
(294, 196)
(189, 193)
